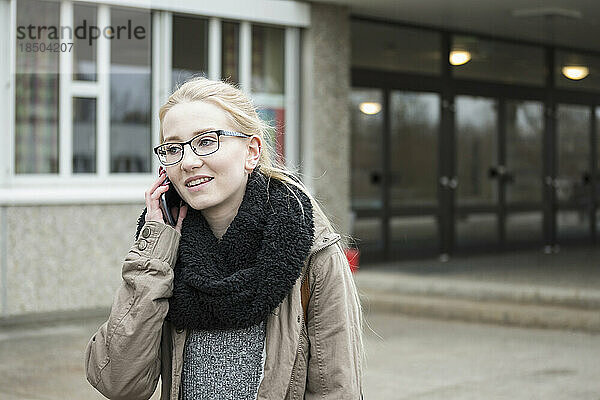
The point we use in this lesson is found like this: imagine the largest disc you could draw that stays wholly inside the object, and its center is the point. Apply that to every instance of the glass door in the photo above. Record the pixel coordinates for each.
(572, 185)
(394, 172)
(478, 169)
(522, 175)
(415, 126)
(367, 127)
(595, 182)
(408, 201)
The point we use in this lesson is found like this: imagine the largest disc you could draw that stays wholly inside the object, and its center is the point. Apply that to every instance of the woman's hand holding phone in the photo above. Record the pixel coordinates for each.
(153, 209)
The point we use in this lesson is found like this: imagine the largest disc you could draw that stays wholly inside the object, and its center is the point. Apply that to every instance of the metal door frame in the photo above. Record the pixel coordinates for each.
(448, 88)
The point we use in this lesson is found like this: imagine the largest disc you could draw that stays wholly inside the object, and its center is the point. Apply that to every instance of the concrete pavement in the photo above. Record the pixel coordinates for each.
(422, 359)
(407, 358)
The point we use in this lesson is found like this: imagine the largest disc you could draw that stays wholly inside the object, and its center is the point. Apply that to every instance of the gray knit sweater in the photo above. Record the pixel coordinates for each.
(223, 364)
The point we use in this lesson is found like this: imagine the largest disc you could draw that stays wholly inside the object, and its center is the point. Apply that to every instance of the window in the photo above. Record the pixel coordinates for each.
(38, 97)
(230, 52)
(130, 94)
(268, 86)
(36, 91)
(267, 59)
(84, 135)
(190, 48)
(84, 50)
(97, 117)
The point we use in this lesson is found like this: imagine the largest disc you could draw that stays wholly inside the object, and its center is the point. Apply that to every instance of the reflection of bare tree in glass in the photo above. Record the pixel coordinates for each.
(573, 123)
(415, 125)
(118, 100)
(476, 149)
(573, 156)
(366, 150)
(130, 136)
(524, 128)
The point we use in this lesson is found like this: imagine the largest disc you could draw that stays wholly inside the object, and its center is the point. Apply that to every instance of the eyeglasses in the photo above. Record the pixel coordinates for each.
(202, 145)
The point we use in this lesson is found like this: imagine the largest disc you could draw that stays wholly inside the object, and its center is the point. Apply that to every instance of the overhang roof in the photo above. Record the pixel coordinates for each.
(567, 23)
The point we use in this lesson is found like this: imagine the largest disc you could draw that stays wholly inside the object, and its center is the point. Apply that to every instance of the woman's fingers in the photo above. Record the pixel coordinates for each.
(156, 184)
(159, 191)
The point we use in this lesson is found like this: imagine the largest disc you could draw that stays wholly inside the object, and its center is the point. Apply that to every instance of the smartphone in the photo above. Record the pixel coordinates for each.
(168, 200)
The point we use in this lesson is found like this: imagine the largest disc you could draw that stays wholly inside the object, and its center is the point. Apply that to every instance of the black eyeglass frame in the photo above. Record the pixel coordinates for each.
(218, 132)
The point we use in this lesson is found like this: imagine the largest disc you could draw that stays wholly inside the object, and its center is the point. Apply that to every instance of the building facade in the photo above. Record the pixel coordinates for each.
(419, 138)
(81, 86)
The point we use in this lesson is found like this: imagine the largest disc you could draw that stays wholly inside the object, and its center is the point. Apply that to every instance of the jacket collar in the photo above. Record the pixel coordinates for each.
(323, 236)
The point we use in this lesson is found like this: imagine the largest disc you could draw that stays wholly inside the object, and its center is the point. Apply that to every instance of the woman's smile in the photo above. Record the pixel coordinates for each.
(198, 184)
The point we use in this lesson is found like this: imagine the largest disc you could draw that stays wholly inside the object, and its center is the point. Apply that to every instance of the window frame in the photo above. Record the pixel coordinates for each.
(8, 16)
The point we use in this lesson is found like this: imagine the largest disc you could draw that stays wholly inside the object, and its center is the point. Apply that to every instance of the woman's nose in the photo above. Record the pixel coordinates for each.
(190, 159)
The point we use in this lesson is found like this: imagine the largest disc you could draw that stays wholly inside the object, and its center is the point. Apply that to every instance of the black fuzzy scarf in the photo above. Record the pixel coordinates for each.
(237, 281)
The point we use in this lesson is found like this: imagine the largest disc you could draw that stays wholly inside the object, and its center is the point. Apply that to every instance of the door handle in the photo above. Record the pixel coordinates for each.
(375, 178)
(497, 172)
(586, 178)
(549, 181)
(451, 183)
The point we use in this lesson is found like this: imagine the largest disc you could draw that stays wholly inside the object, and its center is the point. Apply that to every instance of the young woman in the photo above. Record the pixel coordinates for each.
(214, 305)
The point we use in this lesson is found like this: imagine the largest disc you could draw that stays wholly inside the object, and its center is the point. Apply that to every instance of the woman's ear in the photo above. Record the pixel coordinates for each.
(254, 150)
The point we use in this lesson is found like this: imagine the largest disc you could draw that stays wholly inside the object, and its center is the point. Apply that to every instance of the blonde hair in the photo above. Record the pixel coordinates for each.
(245, 118)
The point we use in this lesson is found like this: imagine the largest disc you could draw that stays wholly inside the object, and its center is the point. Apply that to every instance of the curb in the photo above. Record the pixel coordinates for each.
(477, 301)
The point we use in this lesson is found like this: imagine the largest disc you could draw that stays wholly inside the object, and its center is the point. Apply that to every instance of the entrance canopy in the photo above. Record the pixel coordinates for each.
(568, 23)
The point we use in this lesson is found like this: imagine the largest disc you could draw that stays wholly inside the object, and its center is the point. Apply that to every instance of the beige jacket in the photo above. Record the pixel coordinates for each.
(318, 360)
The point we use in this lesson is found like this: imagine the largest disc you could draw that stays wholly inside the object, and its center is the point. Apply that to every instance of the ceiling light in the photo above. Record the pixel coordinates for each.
(459, 57)
(370, 107)
(575, 72)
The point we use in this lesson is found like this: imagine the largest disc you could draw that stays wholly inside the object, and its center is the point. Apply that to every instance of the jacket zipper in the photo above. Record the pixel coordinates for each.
(334, 241)
(295, 367)
(300, 348)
